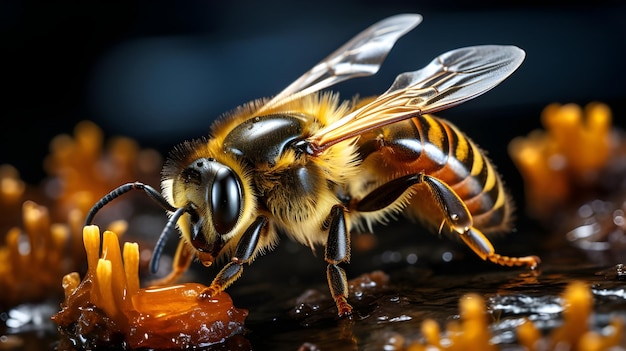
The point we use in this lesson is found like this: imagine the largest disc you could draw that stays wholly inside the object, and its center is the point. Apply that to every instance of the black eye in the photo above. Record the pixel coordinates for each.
(226, 200)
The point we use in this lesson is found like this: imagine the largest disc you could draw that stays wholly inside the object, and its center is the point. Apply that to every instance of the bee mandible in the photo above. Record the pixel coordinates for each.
(308, 165)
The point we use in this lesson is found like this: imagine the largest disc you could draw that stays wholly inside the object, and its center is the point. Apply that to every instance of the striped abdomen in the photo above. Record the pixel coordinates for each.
(429, 145)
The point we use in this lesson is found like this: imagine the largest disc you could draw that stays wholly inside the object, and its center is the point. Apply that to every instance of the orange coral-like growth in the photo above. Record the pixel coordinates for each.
(12, 188)
(567, 156)
(80, 171)
(33, 259)
(86, 172)
(12, 193)
(574, 334)
(109, 305)
(472, 331)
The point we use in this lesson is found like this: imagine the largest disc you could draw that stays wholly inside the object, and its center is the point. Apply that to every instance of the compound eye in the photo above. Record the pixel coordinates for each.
(226, 200)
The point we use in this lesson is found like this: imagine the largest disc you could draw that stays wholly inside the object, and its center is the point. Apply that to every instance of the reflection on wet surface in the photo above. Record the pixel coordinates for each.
(390, 304)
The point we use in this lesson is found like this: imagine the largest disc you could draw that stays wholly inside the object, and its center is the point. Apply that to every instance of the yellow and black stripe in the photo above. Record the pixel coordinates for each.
(432, 146)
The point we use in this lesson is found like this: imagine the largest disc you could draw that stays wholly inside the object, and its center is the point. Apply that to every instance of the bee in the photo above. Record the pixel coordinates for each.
(315, 168)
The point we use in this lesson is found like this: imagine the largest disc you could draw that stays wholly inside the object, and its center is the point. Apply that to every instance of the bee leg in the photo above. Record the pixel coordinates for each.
(182, 259)
(458, 217)
(387, 193)
(338, 251)
(479, 243)
(243, 253)
(457, 214)
(460, 220)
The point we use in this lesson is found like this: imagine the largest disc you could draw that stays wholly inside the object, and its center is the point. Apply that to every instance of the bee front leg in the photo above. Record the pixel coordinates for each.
(243, 253)
(338, 251)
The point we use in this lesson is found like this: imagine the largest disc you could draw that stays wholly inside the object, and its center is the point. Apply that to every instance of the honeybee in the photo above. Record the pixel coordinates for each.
(308, 165)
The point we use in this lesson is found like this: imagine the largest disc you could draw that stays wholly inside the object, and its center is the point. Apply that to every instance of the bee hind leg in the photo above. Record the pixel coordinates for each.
(460, 220)
(457, 216)
(243, 254)
(387, 193)
(338, 251)
(479, 243)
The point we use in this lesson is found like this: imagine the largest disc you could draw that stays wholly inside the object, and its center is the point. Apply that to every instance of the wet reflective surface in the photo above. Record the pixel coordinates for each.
(396, 285)
(399, 282)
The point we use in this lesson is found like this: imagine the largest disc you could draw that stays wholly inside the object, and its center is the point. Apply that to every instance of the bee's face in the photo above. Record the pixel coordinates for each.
(214, 202)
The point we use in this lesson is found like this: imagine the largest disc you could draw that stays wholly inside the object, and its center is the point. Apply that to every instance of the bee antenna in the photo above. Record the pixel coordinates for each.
(165, 234)
(123, 189)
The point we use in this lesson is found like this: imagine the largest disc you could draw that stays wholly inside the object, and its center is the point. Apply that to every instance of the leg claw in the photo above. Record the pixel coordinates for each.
(343, 307)
(209, 292)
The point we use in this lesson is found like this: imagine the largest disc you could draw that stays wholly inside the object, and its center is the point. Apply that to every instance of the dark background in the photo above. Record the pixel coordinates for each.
(162, 71)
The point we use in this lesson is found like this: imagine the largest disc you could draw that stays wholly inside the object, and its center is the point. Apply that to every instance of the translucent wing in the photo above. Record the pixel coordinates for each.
(361, 56)
(450, 79)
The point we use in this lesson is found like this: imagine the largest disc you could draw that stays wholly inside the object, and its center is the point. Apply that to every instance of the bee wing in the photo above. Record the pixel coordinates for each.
(361, 56)
(450, 79)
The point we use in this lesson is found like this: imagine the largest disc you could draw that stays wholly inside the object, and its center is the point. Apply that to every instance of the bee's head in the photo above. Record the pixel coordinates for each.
(214, 204)
(212, 196)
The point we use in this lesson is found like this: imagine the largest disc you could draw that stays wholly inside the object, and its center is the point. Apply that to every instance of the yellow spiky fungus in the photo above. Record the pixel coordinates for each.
(41, 224)
(109, 308)
(563, 162)
(471, 332)
(574, 333)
